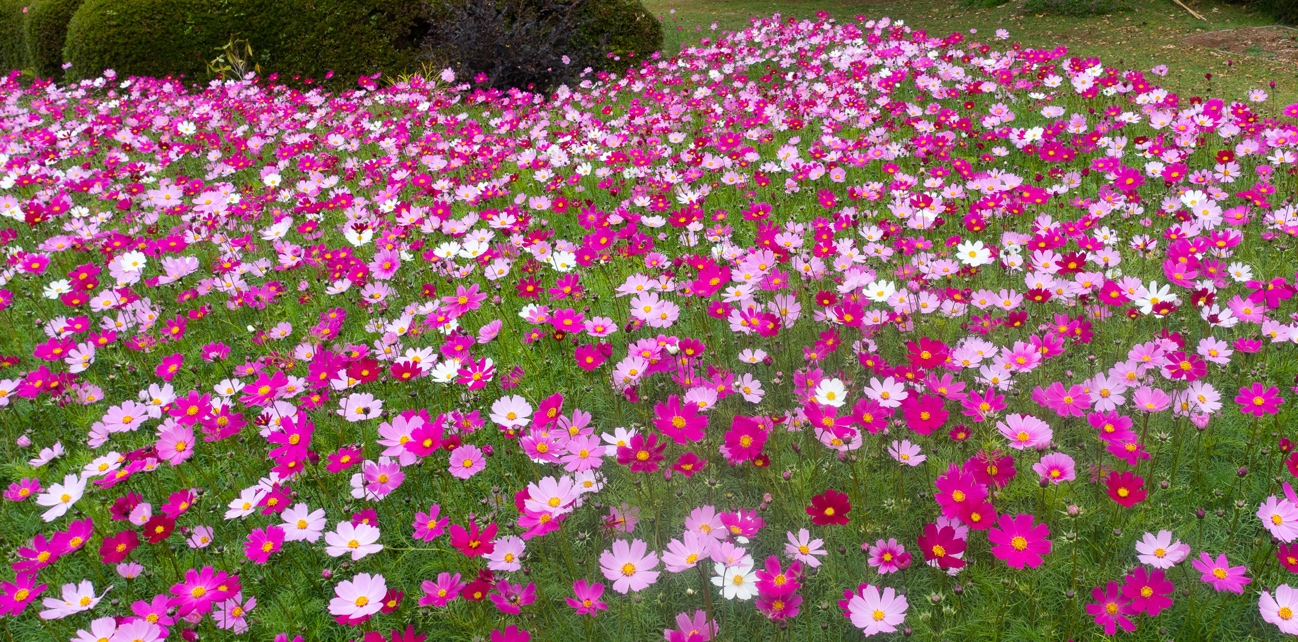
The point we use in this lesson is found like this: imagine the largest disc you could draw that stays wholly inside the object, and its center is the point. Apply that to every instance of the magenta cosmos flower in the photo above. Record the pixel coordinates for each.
(642, 454)
(1018, 542)
(1111, 610)
(1258, 400)
(1148, 591)
(628, 566)
(427, 525)
(587, 600)
(202, 589)
(681, 422)
(1220, 574)
(262, 543)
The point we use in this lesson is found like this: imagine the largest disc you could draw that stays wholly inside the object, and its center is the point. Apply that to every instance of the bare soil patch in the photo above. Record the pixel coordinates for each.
(1276, 42)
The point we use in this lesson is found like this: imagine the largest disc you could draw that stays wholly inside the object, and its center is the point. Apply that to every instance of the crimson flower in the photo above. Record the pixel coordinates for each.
(829, 507)
(1126, 488)
(473, 542)
(941, 545)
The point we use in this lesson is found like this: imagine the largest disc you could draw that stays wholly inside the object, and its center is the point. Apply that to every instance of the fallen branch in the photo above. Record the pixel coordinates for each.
(1192, 11)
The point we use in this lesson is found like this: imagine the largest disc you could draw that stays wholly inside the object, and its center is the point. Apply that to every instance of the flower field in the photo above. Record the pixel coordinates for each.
(819, 330)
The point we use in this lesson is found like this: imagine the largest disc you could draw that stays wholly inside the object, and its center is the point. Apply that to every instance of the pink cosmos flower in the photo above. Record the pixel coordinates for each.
(467, 461)
(1066, 402)
(1056, 468)
(629, 567)
(906, 453)
(804, 549)
(684, 553)
(359, 407)
(695, 628)
(1280, 517)
(1280, 610)
(507, 555)
(359, 597)
(176, 444)
(1025, 431)
(232, 613)
(439, 593)
(887, 556)
(874, 612)
(1161, 551)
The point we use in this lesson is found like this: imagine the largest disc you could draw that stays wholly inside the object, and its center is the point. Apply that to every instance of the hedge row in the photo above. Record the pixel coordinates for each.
(294, 38)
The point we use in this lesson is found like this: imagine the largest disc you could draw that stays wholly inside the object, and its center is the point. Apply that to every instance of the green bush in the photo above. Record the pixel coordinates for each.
(1075, 8)
(144, 38)
(1285, 11)
(303, 38)
(621, 27)
(46, 33)
(294, 38)
(13, 47)
(309, 38)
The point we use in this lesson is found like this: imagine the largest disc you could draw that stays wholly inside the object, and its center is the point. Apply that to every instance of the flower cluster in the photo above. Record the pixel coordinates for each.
(705, 330)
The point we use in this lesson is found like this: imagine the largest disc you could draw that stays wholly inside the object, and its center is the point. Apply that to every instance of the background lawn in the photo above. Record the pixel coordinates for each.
(1153, 32)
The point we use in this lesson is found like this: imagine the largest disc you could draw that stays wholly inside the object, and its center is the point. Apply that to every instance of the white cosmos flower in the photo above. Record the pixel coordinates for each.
(1153, 295)
(973, 253)
(738, 581)
(831, 392)
(880, 291)
(133, 261)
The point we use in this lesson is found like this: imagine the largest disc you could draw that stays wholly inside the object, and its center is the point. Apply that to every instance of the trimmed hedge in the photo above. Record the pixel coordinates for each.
(621, 27)
(46, 32)
(13, 47)
(143, 38)
(300, 38)
(309, 38)
(1285, 11)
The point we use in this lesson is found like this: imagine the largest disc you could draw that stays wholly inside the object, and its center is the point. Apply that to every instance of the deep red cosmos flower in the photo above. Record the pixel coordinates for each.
(941, 545)
(1126, 488)
(829, 507)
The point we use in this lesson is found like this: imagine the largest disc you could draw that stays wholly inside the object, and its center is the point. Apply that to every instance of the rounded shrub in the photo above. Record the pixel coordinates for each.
(144, 37)
(13, 44)
(47, 31)
(1285, 11)
(623, 28)
(309, 38)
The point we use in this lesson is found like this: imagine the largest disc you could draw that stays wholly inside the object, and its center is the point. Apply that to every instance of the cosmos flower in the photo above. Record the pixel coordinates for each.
(874, 611)
(628, 566)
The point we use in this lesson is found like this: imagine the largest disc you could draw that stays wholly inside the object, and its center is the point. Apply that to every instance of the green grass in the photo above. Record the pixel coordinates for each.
(1151, 33)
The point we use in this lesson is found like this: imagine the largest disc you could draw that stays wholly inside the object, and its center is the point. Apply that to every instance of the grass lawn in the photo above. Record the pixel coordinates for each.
(1151, 33)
